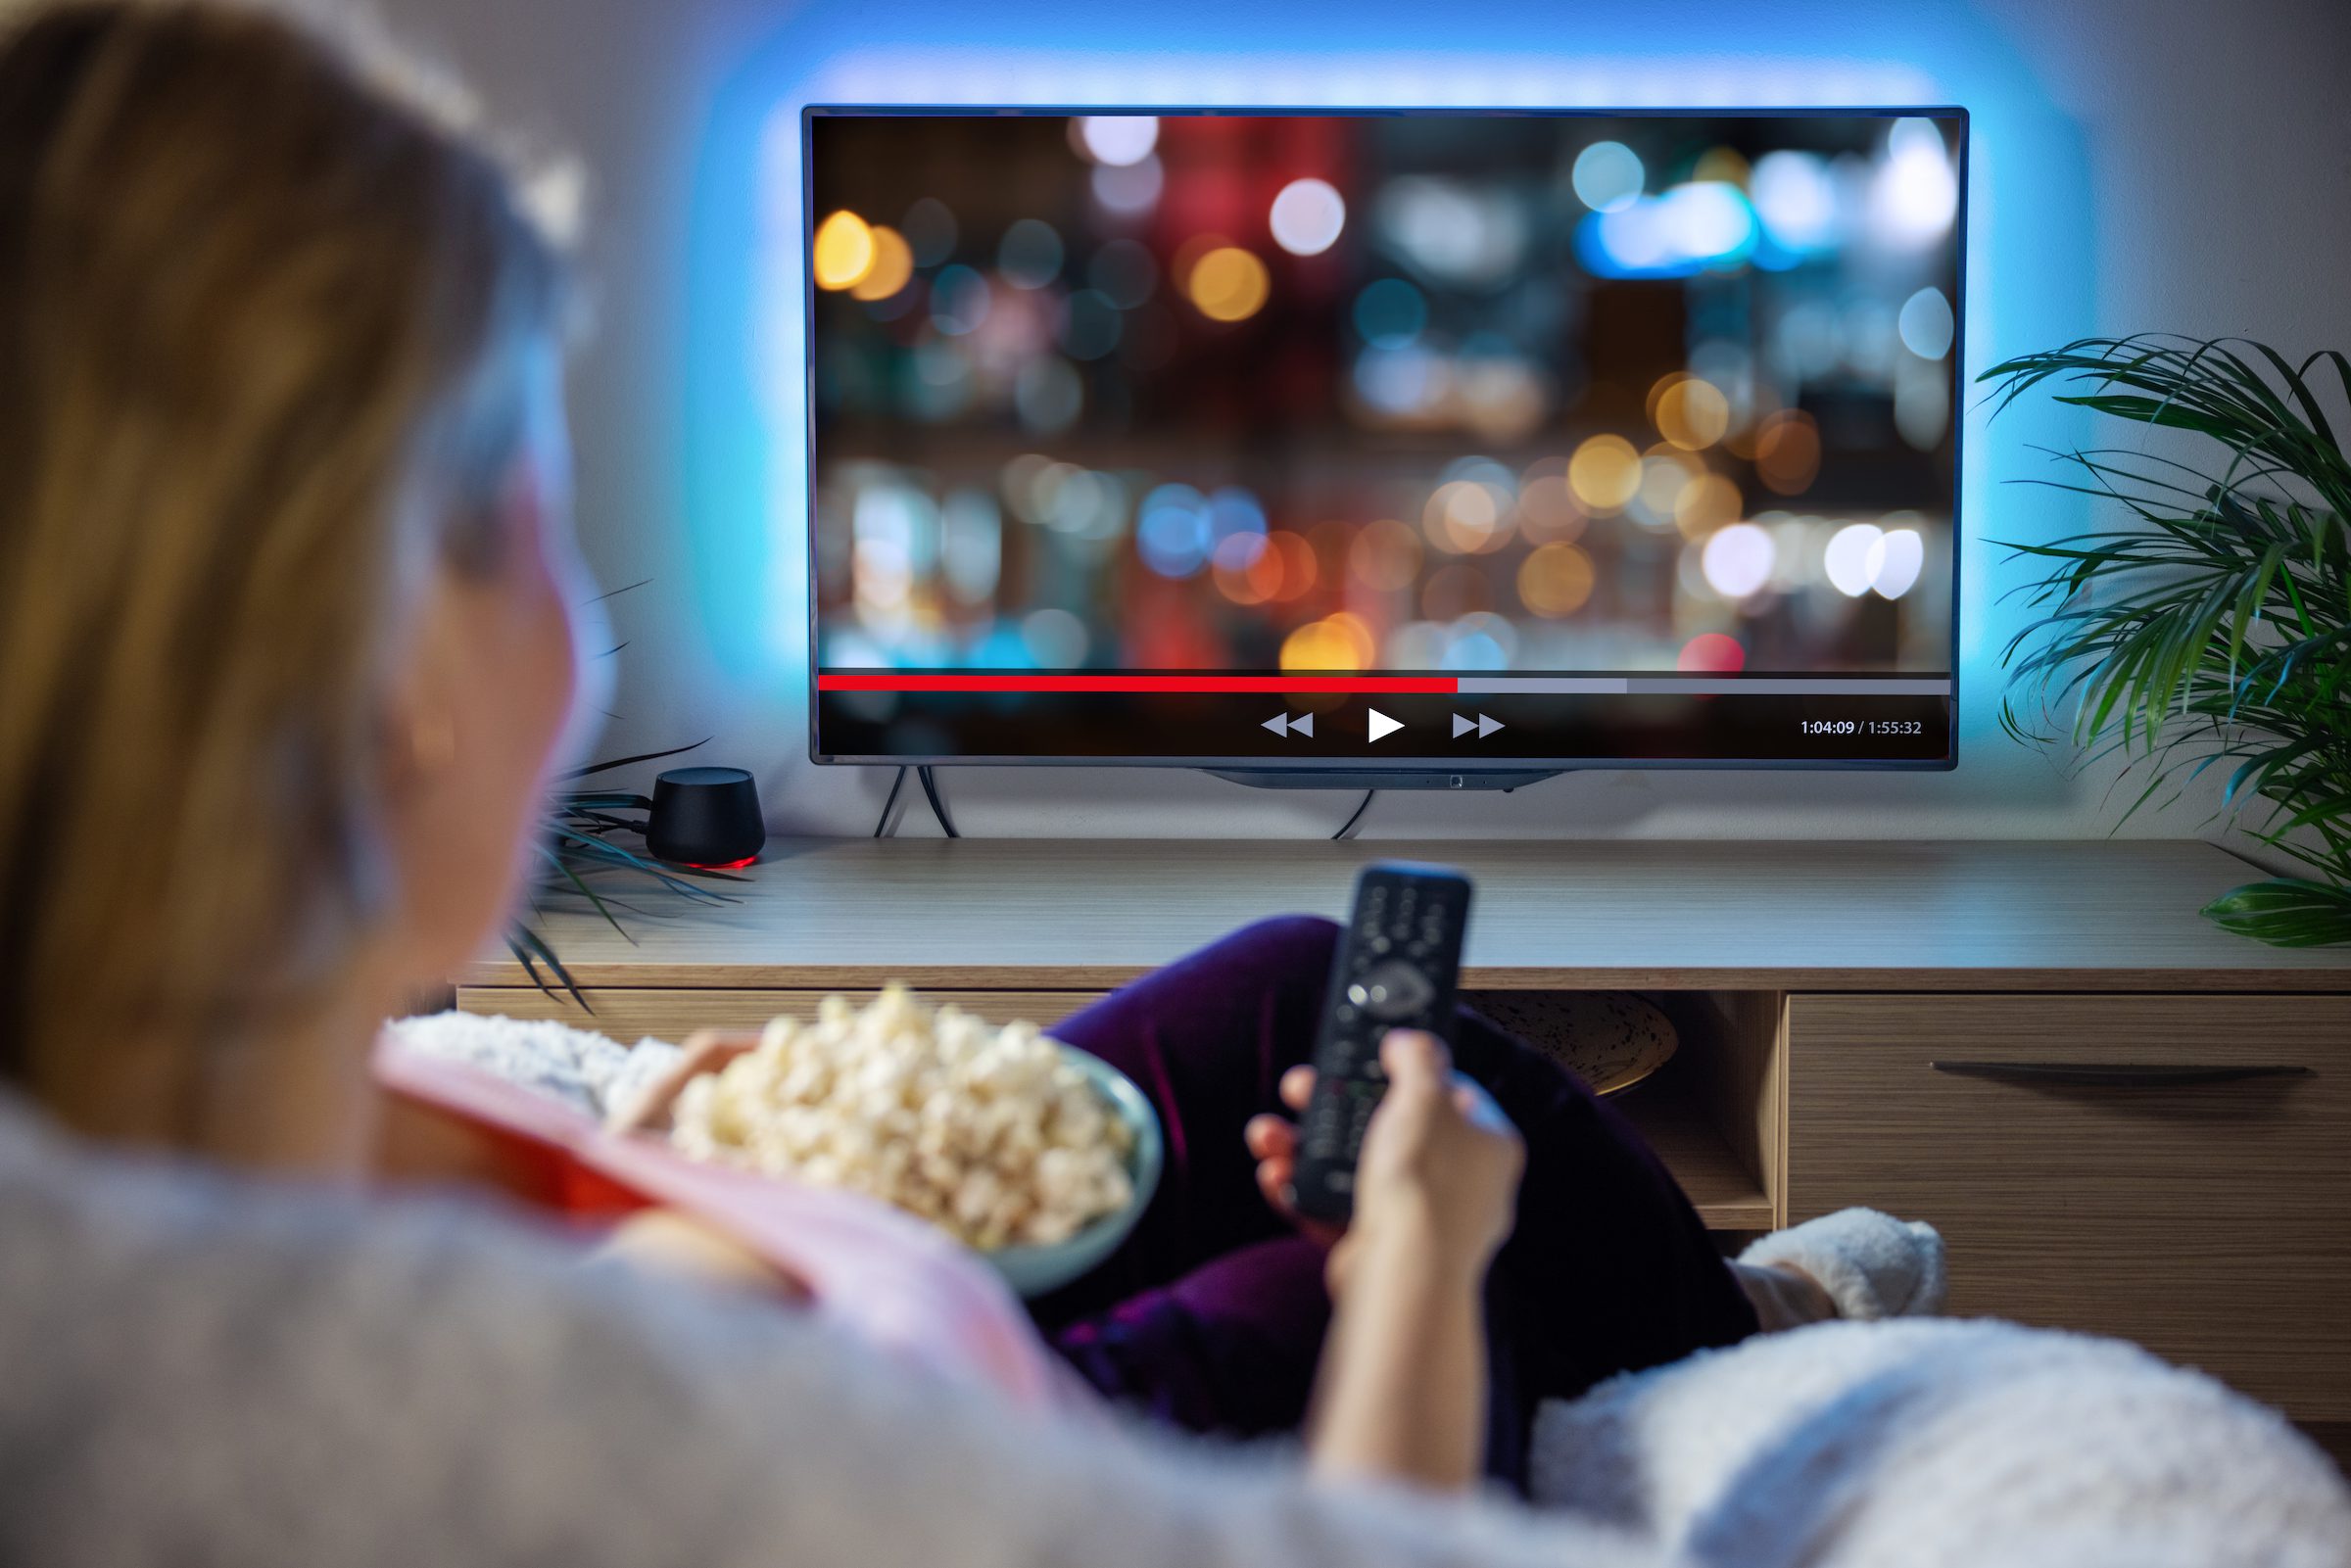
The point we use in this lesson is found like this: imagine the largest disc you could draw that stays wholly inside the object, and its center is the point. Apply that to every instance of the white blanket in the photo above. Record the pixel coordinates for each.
(1927, 1442)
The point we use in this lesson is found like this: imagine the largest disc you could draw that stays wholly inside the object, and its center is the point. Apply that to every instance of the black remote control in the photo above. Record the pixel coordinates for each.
(1397, 968)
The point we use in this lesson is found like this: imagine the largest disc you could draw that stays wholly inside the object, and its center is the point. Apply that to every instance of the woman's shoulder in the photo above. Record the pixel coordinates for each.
(298, 1375)
(203, 1367)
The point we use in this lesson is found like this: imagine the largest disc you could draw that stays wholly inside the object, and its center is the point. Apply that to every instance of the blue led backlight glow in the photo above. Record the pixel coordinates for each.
(2030, 268)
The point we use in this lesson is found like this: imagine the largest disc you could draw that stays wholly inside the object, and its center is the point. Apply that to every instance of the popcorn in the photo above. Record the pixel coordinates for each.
(989, 1133)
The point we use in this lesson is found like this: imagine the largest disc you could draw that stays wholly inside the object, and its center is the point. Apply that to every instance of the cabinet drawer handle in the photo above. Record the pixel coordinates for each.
(2113, 1075)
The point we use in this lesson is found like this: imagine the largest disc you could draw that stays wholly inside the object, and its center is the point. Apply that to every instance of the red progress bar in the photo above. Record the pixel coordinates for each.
(1013, 680)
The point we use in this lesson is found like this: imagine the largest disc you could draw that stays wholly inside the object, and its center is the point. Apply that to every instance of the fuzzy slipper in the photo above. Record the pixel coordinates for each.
(1871, 1264)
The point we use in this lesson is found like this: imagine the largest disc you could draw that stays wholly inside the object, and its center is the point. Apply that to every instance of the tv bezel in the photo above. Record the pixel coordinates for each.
(1395, 771)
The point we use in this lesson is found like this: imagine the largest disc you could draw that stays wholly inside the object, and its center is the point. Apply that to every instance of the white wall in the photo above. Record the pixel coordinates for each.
(2211, 145)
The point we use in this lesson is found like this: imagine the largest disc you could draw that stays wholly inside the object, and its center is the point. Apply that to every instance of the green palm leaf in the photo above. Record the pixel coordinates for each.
(577, 855)
(2216, 628)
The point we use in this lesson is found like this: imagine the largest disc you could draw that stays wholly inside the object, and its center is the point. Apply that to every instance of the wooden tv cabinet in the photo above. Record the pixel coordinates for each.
(2122, 1120)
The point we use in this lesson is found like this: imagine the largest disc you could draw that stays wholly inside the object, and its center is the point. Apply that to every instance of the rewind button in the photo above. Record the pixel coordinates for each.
(1283, 724)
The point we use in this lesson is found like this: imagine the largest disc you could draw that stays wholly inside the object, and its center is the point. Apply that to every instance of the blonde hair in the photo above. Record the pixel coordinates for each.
(263, 324)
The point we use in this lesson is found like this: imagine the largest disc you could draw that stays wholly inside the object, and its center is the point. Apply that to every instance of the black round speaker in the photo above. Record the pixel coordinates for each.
(706, 817)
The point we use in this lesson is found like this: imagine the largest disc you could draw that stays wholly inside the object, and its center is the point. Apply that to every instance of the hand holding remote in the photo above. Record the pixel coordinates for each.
(1402, 1391)
(1438, 1176)
(1437, 1182)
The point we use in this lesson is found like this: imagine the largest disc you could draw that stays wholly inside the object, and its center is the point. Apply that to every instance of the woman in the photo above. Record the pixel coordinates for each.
(287, 653)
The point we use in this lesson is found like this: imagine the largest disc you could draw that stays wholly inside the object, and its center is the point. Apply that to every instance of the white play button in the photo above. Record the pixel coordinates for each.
(1383, 726)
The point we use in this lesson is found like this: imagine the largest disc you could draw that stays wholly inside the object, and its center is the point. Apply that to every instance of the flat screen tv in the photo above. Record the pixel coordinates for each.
(1445, 447)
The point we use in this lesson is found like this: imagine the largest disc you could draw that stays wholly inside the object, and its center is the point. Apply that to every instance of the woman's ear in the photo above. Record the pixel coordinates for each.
(418, 727)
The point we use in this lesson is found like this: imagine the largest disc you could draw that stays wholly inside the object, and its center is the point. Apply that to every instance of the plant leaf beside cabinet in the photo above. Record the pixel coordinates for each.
(2211, 627)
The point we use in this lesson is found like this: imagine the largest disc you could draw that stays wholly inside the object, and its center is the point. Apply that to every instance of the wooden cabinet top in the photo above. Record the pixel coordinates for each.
(1071, 914)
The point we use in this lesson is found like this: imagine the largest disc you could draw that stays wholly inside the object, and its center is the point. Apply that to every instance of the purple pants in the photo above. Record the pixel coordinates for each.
(1210, 1316)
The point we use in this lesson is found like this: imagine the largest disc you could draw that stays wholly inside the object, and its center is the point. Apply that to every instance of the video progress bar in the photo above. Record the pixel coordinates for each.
(1389, 684)
(893, 681)
(1758, 685)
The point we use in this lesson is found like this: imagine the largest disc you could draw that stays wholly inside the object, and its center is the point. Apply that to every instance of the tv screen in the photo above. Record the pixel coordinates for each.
(1397, 441)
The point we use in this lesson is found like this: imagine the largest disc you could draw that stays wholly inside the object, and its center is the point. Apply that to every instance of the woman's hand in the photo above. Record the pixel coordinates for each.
(665, 1242)
(1402, 1391)
(702, 1051)
(1272, 1141)
(1438, 1174)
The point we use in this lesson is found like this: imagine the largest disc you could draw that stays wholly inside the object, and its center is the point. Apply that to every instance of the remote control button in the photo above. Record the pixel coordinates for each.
(1393, 990)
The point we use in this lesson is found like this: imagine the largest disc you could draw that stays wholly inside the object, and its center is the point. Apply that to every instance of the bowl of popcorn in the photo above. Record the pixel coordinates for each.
(1035, 1155)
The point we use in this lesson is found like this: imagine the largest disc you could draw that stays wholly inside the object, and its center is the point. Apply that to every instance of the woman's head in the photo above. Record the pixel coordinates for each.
(285, 576)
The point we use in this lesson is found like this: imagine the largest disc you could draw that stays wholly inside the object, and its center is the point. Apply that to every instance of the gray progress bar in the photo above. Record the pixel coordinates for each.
(1699, 685)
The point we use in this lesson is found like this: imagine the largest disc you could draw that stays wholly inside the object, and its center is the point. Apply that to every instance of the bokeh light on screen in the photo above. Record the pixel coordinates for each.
(1796, 198)
(959, 300)
(1738, 560)
(1128, 190)
(1712, 654)
(1693, 413)
(1227, 284)
(1555, 580)
(1848, 559)
(1454, 232)
(1386, 556)
(1706, 504)
(1467, 517)
(843, 251)
(1340, 641)
(1916, 195)
(1247, 570)
(1894, 562)
(1307, 217)
(1547, 510)
(1390, 312)
(1117, 140)
(1787, 451)
(1926, 323)
(1605, 473)
(890, 268)
(1030, 255)
(1694, 227)
(1171, 531)
(1667, 474)
(1607, 177)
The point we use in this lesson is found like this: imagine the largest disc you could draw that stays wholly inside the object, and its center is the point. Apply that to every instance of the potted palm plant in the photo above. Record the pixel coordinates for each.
(577, 851)
(2209, 626)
